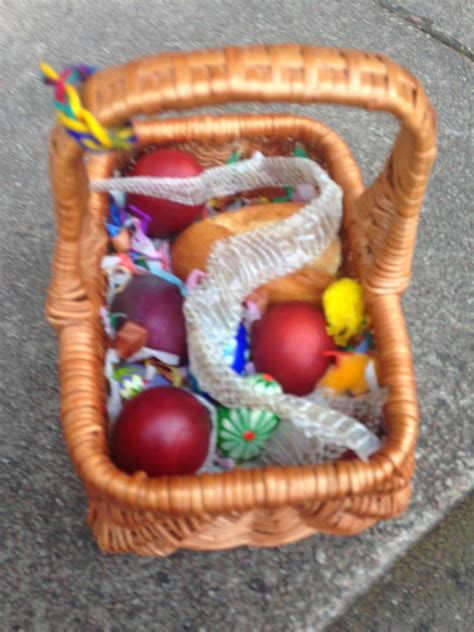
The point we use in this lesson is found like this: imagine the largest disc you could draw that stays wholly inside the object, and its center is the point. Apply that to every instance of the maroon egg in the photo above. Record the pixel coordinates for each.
(162, 431)
(289, 342)
(167, 217)
(348, 455)
(157, 306)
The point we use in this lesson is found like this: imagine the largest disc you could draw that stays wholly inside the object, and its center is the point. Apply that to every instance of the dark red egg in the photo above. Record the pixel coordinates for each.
(289, 342)
(162, 431)
(348, 455)
(167, 217)
(157, 306)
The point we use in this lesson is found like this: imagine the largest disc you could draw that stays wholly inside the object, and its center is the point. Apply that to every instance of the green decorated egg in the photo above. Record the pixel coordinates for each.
(243, 432)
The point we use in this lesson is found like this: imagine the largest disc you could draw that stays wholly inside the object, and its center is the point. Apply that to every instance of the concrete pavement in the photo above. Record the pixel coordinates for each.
(431, 589)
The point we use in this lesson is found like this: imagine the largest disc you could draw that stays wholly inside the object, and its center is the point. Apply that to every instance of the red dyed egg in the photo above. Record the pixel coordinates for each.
(167, 218)
(289, 342)
(162, 431)
(348, 455)
(157, 306)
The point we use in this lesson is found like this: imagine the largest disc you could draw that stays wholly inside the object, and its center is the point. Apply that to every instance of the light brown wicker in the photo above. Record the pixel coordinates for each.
(274, 505)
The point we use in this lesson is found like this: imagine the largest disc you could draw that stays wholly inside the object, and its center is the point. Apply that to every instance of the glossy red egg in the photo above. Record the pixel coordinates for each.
(348, 455)
(162, 431)
(157, 306)
(289, 342)
(167, 217)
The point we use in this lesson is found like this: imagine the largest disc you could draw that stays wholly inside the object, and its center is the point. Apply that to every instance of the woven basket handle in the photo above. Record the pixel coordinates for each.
(382, 222)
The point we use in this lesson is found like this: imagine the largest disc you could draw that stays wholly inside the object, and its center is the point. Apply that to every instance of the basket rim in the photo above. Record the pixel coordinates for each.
(271, 486)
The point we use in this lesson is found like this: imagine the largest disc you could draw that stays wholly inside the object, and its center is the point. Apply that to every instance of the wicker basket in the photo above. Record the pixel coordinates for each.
(274, 505)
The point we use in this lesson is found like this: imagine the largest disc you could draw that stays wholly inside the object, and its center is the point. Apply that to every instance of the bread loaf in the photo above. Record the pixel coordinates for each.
(192, 247)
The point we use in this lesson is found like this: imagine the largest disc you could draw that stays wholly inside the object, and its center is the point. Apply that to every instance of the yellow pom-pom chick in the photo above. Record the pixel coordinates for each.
(344, 309)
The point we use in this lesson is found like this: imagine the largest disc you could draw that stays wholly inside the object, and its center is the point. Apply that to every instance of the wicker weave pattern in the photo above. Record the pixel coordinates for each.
(269, 506)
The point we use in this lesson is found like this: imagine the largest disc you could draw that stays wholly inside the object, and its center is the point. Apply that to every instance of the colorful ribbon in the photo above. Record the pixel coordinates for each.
(79, 122)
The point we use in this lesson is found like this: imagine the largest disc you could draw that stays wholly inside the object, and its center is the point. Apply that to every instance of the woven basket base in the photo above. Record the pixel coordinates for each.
(145, 533)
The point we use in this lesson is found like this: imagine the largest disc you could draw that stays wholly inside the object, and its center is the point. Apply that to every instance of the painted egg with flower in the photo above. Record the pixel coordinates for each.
(243, 432)
(130, 378)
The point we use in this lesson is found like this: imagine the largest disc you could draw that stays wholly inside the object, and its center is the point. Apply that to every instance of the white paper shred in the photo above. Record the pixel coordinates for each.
(163, 356)
(208, 465)
(114, 401)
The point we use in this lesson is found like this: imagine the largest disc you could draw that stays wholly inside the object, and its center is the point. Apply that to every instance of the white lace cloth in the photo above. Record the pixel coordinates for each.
(239, 264)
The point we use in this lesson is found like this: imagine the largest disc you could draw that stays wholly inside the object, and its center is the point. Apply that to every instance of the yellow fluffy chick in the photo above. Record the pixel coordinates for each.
(343, 306)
